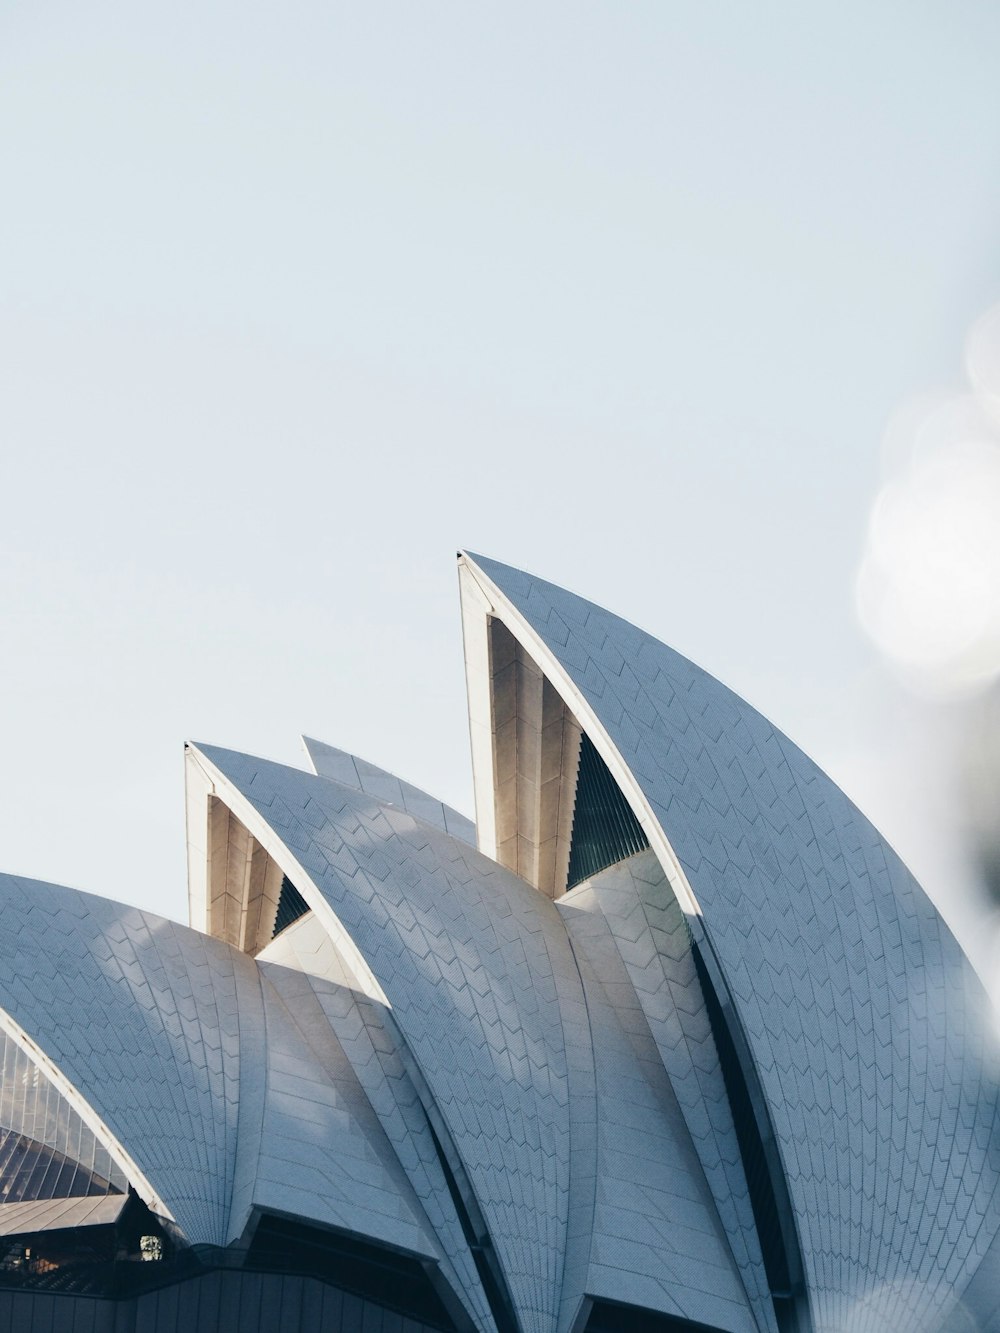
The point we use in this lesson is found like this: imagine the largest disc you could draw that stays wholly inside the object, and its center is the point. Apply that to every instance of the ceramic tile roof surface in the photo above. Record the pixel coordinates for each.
(742, 1080)
(485, 989)
(189, 1058)
(866, 1023)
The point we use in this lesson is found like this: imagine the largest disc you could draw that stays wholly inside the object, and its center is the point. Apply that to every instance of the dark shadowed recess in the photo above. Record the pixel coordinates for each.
(605, 830)
(610, 1317)
(131, 1277)
(769, 1199)
(369, 1270)
(481, 1247)
(291, 906)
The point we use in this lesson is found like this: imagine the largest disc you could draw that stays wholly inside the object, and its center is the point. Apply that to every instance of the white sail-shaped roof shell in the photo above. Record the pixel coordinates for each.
(679, 1038)
(867, 1029)
(192, 1070)
(483, 984)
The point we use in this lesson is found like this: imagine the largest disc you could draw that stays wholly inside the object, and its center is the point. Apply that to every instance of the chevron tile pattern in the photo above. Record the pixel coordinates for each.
(537, 1111)
(484, 983)
(196, 1067)
(867, 1026)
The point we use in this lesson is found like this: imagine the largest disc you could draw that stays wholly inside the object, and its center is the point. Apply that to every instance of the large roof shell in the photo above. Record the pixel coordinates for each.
(627, 923)
(865, 1025)
(683, 1035)
(189, 1066)
(481, 980)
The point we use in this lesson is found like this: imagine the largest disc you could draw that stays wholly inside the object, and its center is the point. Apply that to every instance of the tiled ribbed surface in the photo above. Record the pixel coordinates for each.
(322, 1154)
(651, 978)
(467, 955)
(863, 1017)
(656, 1240)
(195, 1066)
(487, 996)
(356, 1039)
(349, 769)
(141, 1015)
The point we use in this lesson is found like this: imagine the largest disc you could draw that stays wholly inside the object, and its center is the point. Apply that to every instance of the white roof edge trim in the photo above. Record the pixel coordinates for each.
(230, 795)
(492, 601)
(476, 607)
(87, 1114)
(197, 789)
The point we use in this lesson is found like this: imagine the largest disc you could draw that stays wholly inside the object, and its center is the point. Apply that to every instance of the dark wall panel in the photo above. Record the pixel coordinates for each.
(214, 1302)
(85, 1317)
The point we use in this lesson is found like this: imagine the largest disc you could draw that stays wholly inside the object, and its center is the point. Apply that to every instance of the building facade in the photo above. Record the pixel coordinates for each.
(667, 1040)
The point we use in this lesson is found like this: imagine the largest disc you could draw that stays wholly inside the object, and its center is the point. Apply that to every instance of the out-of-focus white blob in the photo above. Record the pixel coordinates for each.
(928, 589)
(960, 1320)
(913, 418)
(929, 585)
(957, 418)
(982, 362)
(889, 1308)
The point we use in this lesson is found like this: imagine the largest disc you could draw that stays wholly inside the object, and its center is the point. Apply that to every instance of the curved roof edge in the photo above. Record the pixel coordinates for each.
(483, 601)
(79, 1103)
(482, 598)
(206, 778)
(353, 771)
(791, 897)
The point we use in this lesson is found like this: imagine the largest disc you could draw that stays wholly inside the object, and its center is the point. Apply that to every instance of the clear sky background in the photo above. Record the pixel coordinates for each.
(297, 299)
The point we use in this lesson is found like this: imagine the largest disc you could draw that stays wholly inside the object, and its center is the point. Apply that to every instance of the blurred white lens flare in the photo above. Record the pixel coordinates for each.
(929, 585)
(982, 362)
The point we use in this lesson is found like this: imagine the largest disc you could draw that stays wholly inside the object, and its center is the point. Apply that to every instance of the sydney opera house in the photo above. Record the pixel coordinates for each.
(668, 1041)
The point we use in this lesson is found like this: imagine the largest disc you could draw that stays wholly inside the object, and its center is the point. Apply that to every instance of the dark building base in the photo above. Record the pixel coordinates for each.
(213, 1302)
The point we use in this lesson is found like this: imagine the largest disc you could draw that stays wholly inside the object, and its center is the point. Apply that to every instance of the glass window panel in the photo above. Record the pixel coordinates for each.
(46, 1150)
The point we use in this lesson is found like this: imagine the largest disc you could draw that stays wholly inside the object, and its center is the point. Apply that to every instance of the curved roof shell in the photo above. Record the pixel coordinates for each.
(682, 1035)
(352, 771)
(193, 1073)
(482, 983)
(866, 1027)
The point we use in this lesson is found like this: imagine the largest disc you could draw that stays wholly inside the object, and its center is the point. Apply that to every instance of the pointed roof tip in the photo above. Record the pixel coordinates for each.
(202, 746)
(206, 747)
(487, 565)
(509, 580)
(351, 770)
(307, 743)
(330, 761)
(220, 755)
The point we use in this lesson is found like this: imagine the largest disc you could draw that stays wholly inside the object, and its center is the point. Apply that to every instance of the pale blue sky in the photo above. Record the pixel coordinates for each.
(298, 299)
